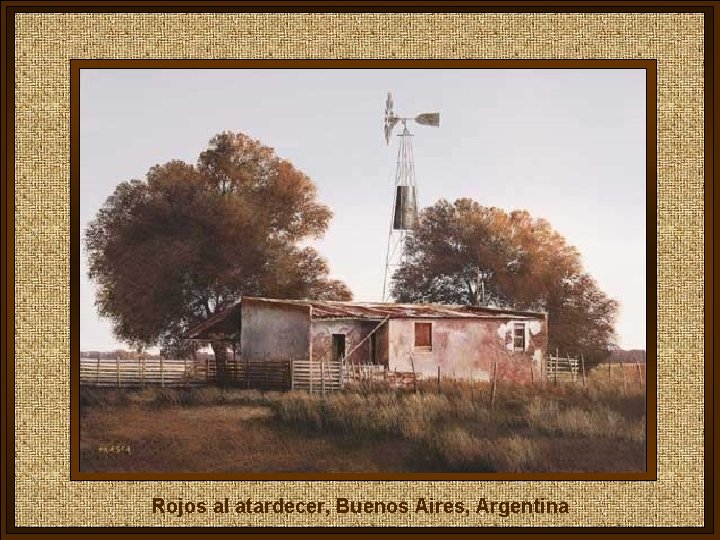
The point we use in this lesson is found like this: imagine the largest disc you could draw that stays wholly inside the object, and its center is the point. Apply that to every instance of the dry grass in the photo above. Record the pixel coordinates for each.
(560, 427)
(551, 428)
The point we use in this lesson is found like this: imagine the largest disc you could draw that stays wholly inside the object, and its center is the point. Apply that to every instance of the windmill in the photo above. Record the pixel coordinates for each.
(404, 215)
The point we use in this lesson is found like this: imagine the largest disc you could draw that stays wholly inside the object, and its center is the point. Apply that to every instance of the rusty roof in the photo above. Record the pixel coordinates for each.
(326, 309)
(228, 321)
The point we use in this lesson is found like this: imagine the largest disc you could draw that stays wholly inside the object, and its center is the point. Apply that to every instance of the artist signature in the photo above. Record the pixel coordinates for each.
(111, 449)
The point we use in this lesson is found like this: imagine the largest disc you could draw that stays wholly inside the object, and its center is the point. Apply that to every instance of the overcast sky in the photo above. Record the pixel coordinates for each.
(567, 145)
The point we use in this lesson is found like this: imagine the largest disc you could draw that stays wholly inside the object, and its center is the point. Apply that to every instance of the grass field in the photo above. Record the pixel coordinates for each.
(549, 428)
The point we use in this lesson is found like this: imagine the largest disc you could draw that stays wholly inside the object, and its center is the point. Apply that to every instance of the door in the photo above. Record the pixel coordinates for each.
(338, 347)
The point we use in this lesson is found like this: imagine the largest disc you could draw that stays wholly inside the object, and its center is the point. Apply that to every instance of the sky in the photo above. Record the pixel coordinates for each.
(568, 145)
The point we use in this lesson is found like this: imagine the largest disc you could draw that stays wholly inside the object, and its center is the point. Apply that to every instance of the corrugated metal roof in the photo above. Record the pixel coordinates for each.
(325, 309)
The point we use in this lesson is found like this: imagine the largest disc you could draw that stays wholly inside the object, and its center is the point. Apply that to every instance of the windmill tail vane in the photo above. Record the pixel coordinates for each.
(428, 119)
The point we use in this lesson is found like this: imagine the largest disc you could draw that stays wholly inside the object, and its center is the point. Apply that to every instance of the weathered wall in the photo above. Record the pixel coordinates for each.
(468, 348)
(383, 345)
(274, 331)
(355, 331)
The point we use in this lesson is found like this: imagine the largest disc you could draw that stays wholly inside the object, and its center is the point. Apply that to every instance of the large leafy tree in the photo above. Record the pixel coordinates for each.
(188, 241)
(465, 253)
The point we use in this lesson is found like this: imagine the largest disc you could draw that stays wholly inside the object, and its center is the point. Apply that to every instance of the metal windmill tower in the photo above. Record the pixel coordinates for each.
(404, 215)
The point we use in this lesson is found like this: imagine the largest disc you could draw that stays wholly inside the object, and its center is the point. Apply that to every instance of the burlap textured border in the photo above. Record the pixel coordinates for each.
(45, 44)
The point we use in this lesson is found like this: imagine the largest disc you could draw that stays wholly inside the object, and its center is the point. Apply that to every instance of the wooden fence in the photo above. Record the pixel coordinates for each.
(564, 368)
(317, 376)
(118, 372)
(164, 372)
(370, 374)
(301, 374)
(261, 373)
(569, 369)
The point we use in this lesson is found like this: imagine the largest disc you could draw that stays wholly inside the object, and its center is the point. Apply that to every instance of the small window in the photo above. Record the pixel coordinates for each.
(519, 337)
(423, 335)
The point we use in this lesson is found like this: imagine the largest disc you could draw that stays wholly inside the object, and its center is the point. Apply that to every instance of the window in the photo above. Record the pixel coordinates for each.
(423, 335)
(519, 337)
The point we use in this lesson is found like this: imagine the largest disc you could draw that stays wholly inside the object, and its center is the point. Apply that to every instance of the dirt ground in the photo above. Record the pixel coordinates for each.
(222, 438)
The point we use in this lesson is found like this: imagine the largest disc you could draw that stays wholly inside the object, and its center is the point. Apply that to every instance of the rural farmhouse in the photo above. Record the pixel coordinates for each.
(330, 337)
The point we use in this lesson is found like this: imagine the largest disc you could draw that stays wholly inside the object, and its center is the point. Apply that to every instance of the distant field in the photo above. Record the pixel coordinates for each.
(549, 428)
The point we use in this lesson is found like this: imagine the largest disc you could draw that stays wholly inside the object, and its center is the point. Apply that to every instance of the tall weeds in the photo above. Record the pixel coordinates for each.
(458, 429)
(454, 428)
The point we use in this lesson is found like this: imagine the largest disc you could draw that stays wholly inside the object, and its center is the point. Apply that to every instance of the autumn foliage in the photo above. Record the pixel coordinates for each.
(465, 253)
(188, 241)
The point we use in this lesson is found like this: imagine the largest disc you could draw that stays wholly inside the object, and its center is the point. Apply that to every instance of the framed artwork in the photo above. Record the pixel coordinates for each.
(358, 268)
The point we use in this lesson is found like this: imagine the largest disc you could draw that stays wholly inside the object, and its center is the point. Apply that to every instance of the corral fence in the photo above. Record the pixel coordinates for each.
(372, 374)
(572, 369)
(123, 372)
(317, 376)
(262, 373)
(565, 368)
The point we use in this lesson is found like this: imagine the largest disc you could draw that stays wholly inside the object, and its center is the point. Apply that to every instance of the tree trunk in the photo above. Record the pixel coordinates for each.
(222, 377)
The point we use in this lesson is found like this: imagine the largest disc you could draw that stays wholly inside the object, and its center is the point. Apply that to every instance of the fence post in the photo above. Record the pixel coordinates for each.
(310, 371)
(117, 370)
(622, 368)
(532, 374)
(494, 386)
(194, 359)
(609, 375)
(247, 372)
(582, 362)
(207, 368)
(186, 377)
(142, 371)
(640, 375)
(266, 371)
(557, 358)
(162, 372)
(341, 370)
(412, 365)
(322, 375)
(438, 380)
(292, 374)
(235, 364)
(97, 373)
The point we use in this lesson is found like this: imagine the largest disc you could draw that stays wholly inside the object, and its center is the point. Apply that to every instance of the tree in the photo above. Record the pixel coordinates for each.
(190, 240)
(464, 253)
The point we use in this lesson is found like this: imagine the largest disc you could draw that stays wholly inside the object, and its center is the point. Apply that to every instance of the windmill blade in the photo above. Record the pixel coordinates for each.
(390, 118)
(390, 122)
(428, 119)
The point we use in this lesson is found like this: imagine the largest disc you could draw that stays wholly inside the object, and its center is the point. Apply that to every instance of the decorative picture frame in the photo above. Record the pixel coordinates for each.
(42, 53)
